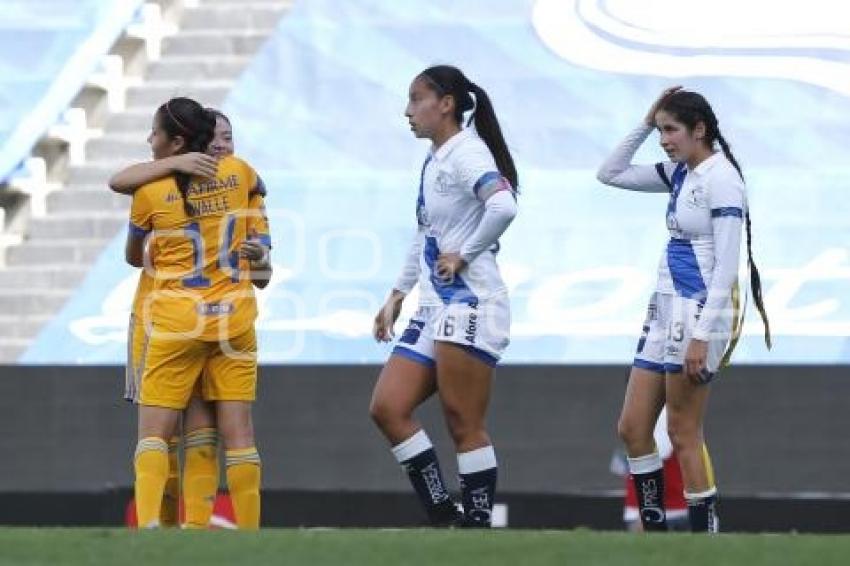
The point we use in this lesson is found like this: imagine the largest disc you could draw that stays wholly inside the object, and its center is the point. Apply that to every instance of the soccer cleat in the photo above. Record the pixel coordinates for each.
(446, 514)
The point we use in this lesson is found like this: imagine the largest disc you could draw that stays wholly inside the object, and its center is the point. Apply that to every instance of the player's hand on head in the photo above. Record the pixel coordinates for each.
(650, 116)
(196, 163)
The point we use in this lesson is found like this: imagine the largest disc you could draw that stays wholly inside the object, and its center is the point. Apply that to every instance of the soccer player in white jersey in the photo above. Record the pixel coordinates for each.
(692, 317)
(466, 201)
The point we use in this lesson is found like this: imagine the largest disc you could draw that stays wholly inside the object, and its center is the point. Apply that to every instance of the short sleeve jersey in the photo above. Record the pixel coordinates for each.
(198, 285)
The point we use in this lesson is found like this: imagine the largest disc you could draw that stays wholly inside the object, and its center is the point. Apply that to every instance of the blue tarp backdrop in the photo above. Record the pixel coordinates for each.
(319, 113)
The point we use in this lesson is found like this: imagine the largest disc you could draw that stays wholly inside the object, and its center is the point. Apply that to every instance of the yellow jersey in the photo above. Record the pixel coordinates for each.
(194, 284)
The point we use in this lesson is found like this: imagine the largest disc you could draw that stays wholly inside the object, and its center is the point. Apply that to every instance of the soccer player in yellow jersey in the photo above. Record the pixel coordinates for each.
(200, 476)
(200, 311)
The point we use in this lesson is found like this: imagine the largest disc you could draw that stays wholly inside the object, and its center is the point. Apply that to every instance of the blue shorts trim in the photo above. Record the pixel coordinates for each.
(651, 366)
(485, 357)
(673, 368)
(413, 356)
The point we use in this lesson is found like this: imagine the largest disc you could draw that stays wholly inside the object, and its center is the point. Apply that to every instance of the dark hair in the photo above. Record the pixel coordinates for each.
(218, 114)
(186, 118)
(691, 108)
(446, 80)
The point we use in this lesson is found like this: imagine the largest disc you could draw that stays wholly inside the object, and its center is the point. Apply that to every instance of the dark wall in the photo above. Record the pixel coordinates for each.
(771, 430)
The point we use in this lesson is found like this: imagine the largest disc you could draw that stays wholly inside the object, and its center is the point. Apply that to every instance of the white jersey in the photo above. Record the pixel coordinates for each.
(704, 217)
(456, 180)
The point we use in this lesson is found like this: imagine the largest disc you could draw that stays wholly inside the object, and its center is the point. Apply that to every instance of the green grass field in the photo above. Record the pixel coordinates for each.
(120, 547)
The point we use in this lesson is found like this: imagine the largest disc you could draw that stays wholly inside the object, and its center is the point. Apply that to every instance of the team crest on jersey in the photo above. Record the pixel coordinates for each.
(696, 198)
(442, 186)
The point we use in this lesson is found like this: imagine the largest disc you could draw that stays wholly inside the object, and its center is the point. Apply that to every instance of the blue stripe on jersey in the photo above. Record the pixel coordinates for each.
(684, 270)
(138, 231)
(676, 180)
(265, 239)
(259, 188)
(727, 211)
(486, 179)
(420, 200)
(455, 291)
(659, 168)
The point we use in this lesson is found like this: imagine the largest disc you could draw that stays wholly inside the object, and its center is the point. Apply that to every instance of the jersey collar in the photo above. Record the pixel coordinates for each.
(449, 145)
(707, 164)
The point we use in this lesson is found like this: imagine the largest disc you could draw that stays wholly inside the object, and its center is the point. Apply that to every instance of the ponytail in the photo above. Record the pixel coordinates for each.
(447, 80)
(487, 126)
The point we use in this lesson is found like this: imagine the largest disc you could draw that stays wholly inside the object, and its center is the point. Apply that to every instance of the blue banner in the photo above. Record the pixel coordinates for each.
(319, 113)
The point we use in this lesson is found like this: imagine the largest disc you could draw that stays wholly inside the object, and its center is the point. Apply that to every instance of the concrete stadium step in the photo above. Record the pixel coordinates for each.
(41, 252)
(43, 276)
(17, 327)
(11, 349)
(99, 225)
(214, 43)
(242, 15)
(87, 200)
(197, 68)
(32, 302)
(130, 121)
(96, 174)
(152, 94)
(120, 147)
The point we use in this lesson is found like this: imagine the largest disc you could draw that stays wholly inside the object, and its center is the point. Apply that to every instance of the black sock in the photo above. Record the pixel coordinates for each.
(478, 475)
(702, 512)
(419, 460)
(648, 476)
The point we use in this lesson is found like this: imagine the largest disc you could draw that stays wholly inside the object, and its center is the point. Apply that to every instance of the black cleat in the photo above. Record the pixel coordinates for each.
(444, 515)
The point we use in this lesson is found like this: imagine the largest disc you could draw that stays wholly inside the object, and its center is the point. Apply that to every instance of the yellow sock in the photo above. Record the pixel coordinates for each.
(709, 467)
(200, 477)
(169, 513)
(151, 464)
(243, 482)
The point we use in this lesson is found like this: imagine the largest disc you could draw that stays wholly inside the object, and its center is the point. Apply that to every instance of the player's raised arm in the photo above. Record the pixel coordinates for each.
(619, 171)
(131, 178)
